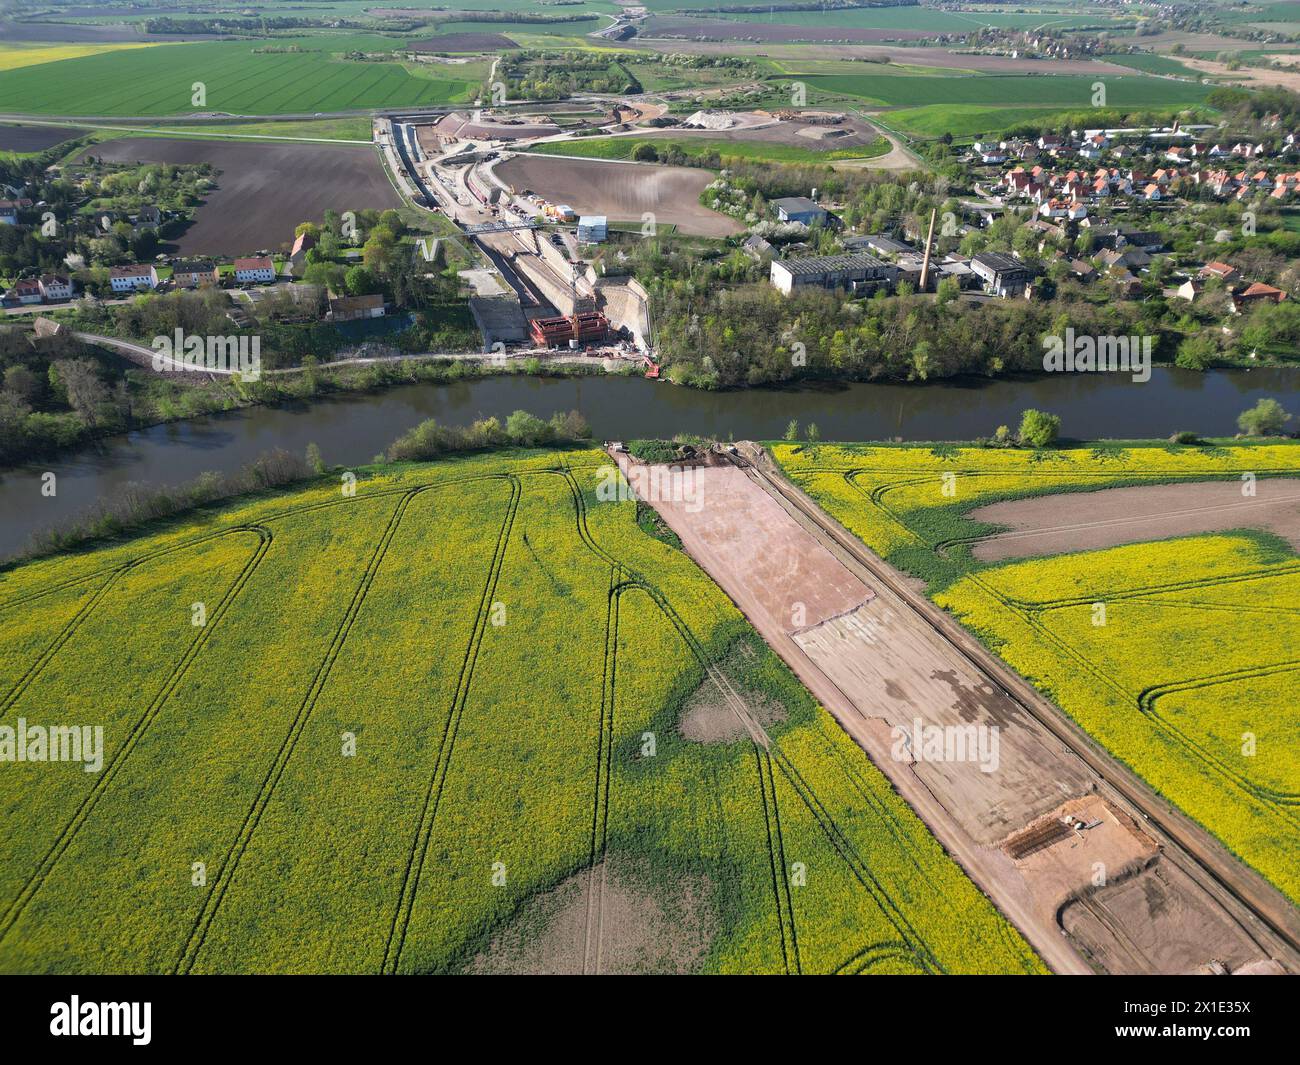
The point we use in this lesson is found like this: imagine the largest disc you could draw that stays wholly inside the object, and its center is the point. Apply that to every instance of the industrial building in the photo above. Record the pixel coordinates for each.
(879, 244)
(1003, 275)
(800, 209)
(593, 229)
(585, 327)
(853, 272)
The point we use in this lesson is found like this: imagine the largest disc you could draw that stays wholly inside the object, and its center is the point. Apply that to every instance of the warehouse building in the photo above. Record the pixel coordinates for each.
(800, 209)
(1003, 275)
(593, 229)
(853, 272)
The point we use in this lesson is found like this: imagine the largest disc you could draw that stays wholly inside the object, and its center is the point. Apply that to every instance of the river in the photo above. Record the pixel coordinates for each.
(354, 429)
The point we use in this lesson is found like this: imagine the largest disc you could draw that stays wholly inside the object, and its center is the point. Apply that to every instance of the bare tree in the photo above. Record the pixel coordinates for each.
(86, 392)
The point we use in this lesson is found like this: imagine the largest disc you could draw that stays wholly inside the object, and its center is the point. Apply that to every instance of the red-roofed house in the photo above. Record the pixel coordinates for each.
(1255, 294)
(257, 269)
(1222, 271)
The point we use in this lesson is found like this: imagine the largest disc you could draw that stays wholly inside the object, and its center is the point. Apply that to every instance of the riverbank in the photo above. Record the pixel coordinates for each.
(139, 510)
(174, 398)
(351, 428)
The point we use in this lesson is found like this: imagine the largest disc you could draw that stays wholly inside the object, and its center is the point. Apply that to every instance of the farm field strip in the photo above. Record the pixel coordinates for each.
(397, 723)
(104, 779)
(767, 753)
(236, 79)
(913, 18)
(262, 825)
(231, 863)
(761, 744)
(44, 821)
(549, 754)
(424, 830)
(139, 732)
(29, 632)
(943, 547)
(16, 55)
(67, 631)
(1039, 614)
(597, 879)
(1061, 90)
(1063, 644)
(767, 797)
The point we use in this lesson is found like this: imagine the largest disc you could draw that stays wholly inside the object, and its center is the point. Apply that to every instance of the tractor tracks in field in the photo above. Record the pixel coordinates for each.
(229, 866)
(396, 941)
(873, 955)
(114, 575)
(771, 756)
(771, 762)
(106, 777)
(1233, 886)
(767, 786)
(622, 579)
(1031, 612)
(594, 926)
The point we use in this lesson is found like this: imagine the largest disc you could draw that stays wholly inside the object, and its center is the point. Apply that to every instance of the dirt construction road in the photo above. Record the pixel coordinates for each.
(996, 784)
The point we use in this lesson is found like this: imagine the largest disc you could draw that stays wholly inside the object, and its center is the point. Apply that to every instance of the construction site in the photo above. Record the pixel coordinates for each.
(533, 293)
(1099, 874)
(530, 216)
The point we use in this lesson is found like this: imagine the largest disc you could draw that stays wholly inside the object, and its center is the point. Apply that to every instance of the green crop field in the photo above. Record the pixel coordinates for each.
(1189, 678)
(355, 129)
(964, 120)
(1149, 63)
(914, 18)
(1009, 90)
(469, 717)
(351, 9)
(237, 79)
(756, 150)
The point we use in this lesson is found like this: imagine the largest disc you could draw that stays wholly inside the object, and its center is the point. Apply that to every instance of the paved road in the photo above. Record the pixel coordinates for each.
(153, 360)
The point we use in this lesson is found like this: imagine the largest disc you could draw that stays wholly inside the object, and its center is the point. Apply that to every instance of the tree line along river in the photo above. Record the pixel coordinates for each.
(351, 430)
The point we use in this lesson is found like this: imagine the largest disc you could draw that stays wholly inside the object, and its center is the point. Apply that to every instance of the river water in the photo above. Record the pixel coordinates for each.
(354, 429)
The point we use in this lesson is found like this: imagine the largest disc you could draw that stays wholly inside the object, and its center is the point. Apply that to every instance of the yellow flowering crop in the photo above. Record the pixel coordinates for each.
(1181, 656)
(414, 717)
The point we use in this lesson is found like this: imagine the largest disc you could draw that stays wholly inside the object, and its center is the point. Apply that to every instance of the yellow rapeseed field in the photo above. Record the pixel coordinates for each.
(434, 726)
(1181, 656)
(15, 54)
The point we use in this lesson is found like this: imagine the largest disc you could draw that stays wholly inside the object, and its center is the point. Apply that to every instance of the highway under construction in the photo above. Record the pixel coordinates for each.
(886, 661)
